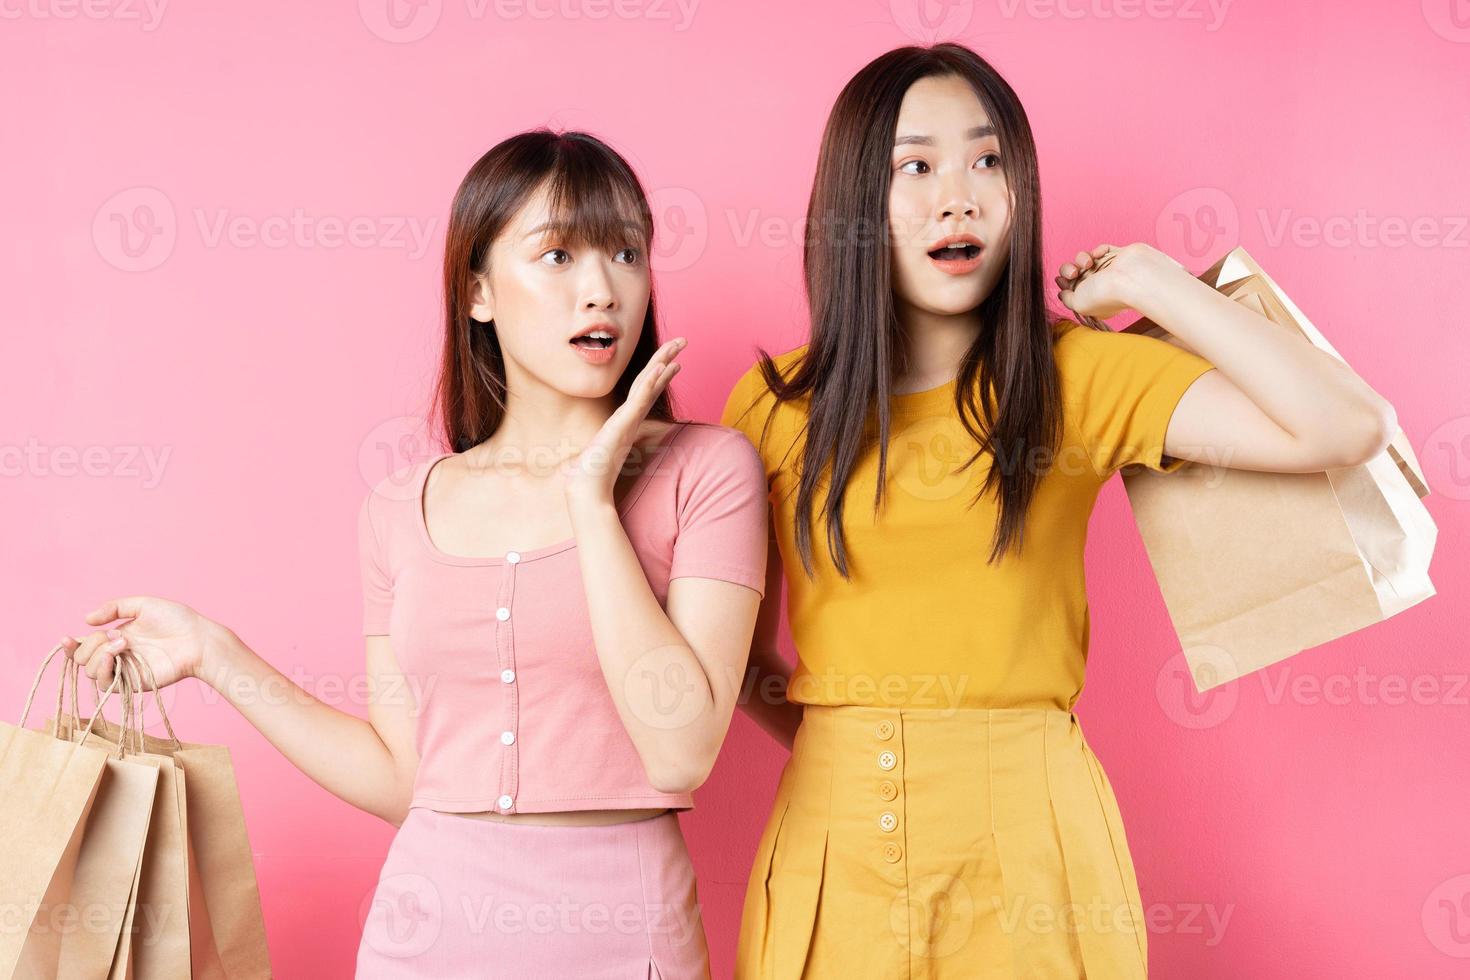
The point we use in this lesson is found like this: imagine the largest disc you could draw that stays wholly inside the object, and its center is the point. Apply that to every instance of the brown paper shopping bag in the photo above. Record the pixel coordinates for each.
(227, 936)
(154, 941)
(111, 852)
(1255, 567)
(48, 788)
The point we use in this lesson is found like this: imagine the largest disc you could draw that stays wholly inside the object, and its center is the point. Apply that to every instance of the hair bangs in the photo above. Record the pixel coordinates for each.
(593, 204)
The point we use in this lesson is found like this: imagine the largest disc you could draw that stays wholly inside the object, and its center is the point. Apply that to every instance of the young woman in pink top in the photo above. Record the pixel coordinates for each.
(571, 592)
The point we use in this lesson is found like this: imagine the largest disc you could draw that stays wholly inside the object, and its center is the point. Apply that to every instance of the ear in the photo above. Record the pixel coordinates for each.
(482, 303)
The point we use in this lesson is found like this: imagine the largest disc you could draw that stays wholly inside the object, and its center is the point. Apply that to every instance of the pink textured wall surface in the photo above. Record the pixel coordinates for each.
(219, 299)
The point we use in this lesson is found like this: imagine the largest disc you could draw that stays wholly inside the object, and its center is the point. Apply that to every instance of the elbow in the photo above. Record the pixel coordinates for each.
(393, 807)
(1377, 431)
(394, 811)
(1353, 441)
(390, 811)
(684, 774)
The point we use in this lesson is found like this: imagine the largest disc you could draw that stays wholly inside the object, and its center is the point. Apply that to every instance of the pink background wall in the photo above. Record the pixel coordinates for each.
(219, 304)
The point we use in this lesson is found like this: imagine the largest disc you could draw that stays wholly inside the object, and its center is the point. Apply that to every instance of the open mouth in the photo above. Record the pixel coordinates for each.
(593, 341)
(959, 252)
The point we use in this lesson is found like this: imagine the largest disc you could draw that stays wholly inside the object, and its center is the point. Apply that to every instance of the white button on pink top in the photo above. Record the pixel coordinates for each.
(502, 614)
(507, 676)
(512, 556)
(507, 738)
(504, 802)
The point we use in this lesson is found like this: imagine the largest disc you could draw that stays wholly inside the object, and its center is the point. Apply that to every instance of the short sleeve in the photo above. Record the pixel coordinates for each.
(723, 514)
(377, 587)
(1123, 389)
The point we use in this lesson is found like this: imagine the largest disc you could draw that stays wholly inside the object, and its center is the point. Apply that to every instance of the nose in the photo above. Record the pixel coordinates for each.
(959, 207)
(956, 196)
(597, 291)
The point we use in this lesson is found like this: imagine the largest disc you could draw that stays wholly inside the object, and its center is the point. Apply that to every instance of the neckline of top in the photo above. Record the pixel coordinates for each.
(660, 450)
(938, 397)
(926, 398)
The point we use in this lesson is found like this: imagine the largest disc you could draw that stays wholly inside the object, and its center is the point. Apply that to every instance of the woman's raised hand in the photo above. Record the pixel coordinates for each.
(1108, 280)
(595, 473)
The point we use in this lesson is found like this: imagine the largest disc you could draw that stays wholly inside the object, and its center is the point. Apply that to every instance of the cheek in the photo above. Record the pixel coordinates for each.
(528, 291)
(633, 294)
(999, 210)
(908, 218)
(527, 303)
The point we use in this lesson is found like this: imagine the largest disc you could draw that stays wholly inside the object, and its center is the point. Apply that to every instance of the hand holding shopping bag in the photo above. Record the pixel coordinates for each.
(169, 637)
(1256, 567)
(169, 640)
(155, 938)
(111, 857)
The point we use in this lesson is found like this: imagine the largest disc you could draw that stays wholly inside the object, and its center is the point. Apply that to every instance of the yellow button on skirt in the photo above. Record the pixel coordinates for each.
(941, 843)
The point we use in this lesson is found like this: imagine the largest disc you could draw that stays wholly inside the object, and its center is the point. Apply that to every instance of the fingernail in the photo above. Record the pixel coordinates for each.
(115, 644)
(114, 633)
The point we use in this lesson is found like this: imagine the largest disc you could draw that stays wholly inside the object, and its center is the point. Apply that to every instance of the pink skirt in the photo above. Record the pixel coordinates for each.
(460, 897)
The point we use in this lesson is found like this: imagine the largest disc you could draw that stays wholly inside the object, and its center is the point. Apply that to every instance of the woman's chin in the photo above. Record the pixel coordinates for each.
(947, 302)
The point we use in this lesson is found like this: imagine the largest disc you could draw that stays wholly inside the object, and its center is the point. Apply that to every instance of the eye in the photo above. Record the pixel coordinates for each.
(903, 167)
(991, 154)
(557, 256)
(632, 256)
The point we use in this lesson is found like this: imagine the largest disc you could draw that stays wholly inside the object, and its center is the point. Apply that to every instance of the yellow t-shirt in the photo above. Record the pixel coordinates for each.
(924, 620)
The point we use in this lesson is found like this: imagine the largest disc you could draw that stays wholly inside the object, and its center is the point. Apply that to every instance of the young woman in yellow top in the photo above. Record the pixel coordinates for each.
(941, 815)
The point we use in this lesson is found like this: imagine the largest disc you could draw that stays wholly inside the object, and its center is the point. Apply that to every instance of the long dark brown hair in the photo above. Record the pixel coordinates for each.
(857, 343)
(593, 197)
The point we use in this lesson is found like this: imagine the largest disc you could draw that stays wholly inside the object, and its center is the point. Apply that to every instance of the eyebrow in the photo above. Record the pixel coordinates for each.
(562, 228)
(975, 133)
(551, 226)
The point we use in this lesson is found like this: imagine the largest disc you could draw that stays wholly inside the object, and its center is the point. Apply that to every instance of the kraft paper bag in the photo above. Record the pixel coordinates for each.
(226, 924)
(154, 941)
(1256, 567)
(110, 855)
(48, 788)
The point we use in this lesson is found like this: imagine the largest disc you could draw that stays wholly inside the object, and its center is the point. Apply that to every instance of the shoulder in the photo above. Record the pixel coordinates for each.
(708, 447)
(1092, 363)
(751, 388)
(773, 427)
(1076, 345)
(396, 491)
(707, 468)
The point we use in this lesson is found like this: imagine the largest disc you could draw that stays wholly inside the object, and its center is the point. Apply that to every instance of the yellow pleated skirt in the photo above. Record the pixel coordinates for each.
(940, 843)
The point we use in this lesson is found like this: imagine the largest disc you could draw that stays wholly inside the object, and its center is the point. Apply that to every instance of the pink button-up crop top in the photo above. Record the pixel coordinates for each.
(513, 712)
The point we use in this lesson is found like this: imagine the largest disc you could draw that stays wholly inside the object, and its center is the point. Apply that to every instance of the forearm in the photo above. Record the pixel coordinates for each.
(1305, 390)
(663, 694)
(339, 751)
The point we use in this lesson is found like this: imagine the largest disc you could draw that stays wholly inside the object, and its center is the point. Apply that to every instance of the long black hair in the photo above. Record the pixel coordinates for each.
(857, 343)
